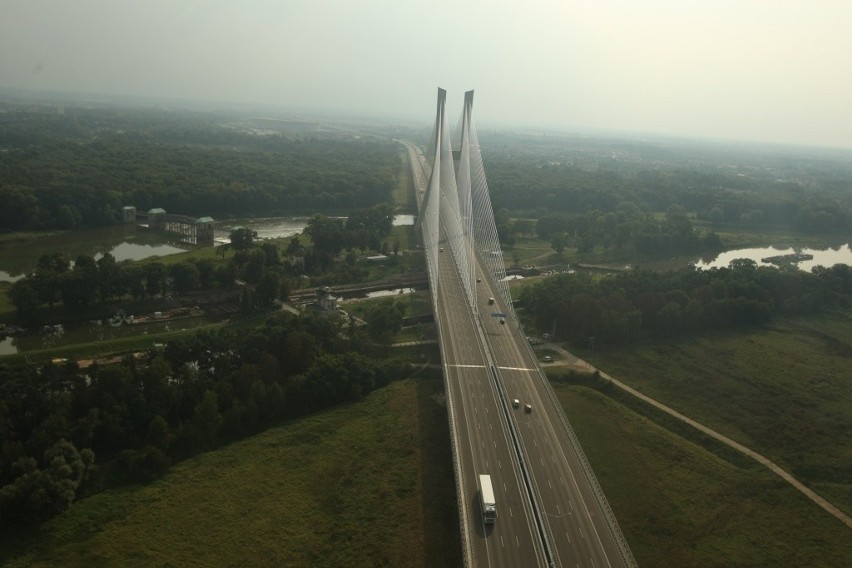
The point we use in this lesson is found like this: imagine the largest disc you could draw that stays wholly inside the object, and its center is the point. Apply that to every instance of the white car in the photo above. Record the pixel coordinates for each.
(516, 403)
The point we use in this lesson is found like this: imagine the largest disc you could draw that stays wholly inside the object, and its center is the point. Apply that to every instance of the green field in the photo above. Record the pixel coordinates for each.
(365, 484)
(784, 390)
(681, 505)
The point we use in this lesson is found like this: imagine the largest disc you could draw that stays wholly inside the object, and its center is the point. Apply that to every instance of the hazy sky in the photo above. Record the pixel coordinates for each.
(764, 70)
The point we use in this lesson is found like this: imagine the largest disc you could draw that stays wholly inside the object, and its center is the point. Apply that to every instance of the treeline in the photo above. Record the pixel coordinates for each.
(90, 283)
(633, 305)
(627, 229)
(813, 202)
(140, 416)
(80, 170)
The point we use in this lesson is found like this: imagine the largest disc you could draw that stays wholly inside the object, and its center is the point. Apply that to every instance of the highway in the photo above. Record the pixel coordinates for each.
(486, 365)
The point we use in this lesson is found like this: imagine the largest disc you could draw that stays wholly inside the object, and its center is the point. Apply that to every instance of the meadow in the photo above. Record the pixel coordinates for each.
(782, 390)
(679, 504)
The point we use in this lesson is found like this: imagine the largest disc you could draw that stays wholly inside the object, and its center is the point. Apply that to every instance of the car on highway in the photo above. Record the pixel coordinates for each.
(502, 321)
(516, 403)
(528, 408)
(490, 301)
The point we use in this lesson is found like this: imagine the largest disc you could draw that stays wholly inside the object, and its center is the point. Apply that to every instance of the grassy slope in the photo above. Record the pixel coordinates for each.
(353, 486)
(783, 391)
(680, 505)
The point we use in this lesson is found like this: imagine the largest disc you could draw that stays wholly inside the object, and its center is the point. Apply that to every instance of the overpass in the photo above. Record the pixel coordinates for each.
(551, 510)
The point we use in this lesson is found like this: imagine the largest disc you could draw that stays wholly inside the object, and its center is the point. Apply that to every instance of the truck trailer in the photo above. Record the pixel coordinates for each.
(486, 500)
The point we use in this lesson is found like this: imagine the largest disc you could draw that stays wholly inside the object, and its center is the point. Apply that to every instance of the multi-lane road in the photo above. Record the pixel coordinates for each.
(548, 509)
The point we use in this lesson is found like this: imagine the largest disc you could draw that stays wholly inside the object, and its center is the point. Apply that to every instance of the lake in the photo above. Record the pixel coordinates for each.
(821, 257)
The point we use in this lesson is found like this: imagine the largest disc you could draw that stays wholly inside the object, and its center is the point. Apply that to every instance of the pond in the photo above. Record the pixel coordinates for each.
(124, 242)
(821, 257)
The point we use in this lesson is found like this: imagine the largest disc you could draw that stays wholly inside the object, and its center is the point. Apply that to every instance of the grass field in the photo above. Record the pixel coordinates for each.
(784, 391)
(680, 505)
(365, 484)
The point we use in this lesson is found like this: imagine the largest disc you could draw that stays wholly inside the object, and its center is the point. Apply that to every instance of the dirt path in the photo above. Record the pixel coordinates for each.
(576, 363)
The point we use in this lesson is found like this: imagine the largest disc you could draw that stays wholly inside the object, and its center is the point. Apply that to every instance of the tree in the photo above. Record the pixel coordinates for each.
(185, 277)
(206, 419)
(25, 299)
(327, 236)
(558, 242)
(38, 494)
(384, 320)
(155, 278)
(109, 278)
(242, 238)
(268, 288)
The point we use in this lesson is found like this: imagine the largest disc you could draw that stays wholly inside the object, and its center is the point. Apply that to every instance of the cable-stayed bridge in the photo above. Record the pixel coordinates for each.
(551, 510)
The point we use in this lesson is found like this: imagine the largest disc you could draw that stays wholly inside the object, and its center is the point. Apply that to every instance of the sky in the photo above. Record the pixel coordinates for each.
(754, 70)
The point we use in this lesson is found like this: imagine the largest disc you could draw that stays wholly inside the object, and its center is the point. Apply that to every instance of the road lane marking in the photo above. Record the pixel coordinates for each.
(517, 542)
(460, 366)
(511, 514)
(568, 537)
(549, 485)
(503, 544)
(581, 532)
(516, 369)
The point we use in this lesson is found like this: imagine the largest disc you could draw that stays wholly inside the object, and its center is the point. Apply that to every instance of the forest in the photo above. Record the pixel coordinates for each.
(638, 304)
(78, 169)
(744, 187)
(59, 422)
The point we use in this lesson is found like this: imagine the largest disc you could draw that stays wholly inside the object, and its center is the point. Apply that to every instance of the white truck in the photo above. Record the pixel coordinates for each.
(486, 500)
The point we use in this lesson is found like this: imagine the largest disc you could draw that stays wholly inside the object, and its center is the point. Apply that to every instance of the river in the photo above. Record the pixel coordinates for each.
(827, 257)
